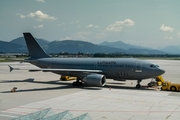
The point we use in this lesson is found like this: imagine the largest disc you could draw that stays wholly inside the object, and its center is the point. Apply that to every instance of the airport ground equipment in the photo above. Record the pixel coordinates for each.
(152, 83)
(67, 78)
(166, 85)
(13, 89)
(158, 81)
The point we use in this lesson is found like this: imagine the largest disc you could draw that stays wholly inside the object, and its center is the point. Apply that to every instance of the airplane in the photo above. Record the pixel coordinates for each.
(91, 71)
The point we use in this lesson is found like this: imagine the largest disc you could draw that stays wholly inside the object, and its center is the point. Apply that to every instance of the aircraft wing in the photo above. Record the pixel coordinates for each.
(57, 70)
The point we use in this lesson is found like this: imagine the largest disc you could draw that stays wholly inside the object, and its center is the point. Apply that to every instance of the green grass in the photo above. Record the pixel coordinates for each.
(10, 59)
(6, 60)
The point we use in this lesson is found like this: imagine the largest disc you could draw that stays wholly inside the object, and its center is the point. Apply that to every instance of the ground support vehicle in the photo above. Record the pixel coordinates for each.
(166, 85)
(67, 78)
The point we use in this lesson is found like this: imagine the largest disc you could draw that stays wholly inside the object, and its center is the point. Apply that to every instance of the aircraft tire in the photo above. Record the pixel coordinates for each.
(138, 86)
(173, 88)
(77, 84)
(74, 83)
(150, 85)
(162, 88)
(81, 84)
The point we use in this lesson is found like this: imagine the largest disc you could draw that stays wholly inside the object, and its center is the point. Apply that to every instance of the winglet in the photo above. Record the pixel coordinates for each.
(11, 68)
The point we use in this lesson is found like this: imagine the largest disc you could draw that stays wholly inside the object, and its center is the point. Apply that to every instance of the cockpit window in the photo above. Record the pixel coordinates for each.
(154, 66)
(151, 65)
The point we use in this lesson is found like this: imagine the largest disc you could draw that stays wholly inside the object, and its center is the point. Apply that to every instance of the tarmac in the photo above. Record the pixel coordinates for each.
(115, 101)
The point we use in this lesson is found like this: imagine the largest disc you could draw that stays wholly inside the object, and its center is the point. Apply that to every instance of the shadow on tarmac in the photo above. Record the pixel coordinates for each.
(68, 85)
(120, 83)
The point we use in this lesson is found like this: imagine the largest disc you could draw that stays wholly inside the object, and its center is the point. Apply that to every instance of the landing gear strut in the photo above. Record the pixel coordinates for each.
(138, 84)
(77, 83)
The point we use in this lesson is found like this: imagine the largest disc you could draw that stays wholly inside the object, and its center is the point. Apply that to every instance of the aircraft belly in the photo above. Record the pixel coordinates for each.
(74, 74)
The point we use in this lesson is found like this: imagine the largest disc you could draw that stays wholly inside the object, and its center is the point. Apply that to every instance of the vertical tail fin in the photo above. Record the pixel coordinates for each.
(34, 48)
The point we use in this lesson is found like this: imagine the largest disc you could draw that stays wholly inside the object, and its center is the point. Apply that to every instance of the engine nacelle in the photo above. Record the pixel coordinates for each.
(95, 79)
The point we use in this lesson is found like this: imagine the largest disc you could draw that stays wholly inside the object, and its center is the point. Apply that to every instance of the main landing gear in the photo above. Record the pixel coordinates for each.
(138, 84)
(77, 83)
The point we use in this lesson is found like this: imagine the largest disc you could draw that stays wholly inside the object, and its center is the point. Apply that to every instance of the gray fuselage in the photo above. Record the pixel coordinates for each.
(113, 68)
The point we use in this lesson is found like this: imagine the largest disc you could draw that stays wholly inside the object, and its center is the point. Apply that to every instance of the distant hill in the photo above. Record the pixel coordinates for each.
(121, 45)
(144, 51)
(11, 47)
(171, 49)
(131, 49)
(75, 46)
(21, 41)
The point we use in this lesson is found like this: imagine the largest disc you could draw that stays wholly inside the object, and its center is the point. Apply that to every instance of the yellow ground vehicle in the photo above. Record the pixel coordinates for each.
(167, 85)
(170, 86)
(67, 78)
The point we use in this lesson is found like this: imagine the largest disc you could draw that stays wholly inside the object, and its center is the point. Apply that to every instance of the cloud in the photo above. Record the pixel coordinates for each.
(20, 15)
(39, 26)
(92, 26)
(61, 24)
(77, 36)
(74, 22)
(178, 34)
(96, 26)
(41, 16)
(40, 0)
(100, 35)
(166, 28)
(66, 38)
(81, 35)
(37, 15)
(66, 29)
(119, 25)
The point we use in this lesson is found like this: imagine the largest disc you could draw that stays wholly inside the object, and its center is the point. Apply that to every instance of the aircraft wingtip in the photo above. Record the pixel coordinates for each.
(11, 68)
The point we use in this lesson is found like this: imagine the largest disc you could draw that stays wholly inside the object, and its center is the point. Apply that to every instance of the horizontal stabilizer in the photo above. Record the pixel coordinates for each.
(11, 68)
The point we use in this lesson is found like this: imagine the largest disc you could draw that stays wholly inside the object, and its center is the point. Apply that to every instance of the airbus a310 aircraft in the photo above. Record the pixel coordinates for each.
(92, 71)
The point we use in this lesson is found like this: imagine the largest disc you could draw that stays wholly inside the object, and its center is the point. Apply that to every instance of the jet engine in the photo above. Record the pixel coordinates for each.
(95, 79)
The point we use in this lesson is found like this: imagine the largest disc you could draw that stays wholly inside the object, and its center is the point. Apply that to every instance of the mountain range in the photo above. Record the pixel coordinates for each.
(120, 44)
(75, 46)
(172, 49)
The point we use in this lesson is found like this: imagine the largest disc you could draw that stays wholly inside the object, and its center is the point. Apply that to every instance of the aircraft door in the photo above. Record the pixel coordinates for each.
(95, 66)
(49, 64)
(138, 67)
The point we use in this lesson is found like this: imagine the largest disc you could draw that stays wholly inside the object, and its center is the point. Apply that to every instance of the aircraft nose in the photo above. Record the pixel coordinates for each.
(161, 71)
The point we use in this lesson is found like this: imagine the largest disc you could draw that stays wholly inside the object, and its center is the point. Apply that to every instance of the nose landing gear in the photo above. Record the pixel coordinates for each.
(138, 84)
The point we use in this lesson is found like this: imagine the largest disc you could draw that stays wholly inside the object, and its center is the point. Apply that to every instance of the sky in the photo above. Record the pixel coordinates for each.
(147, 23)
